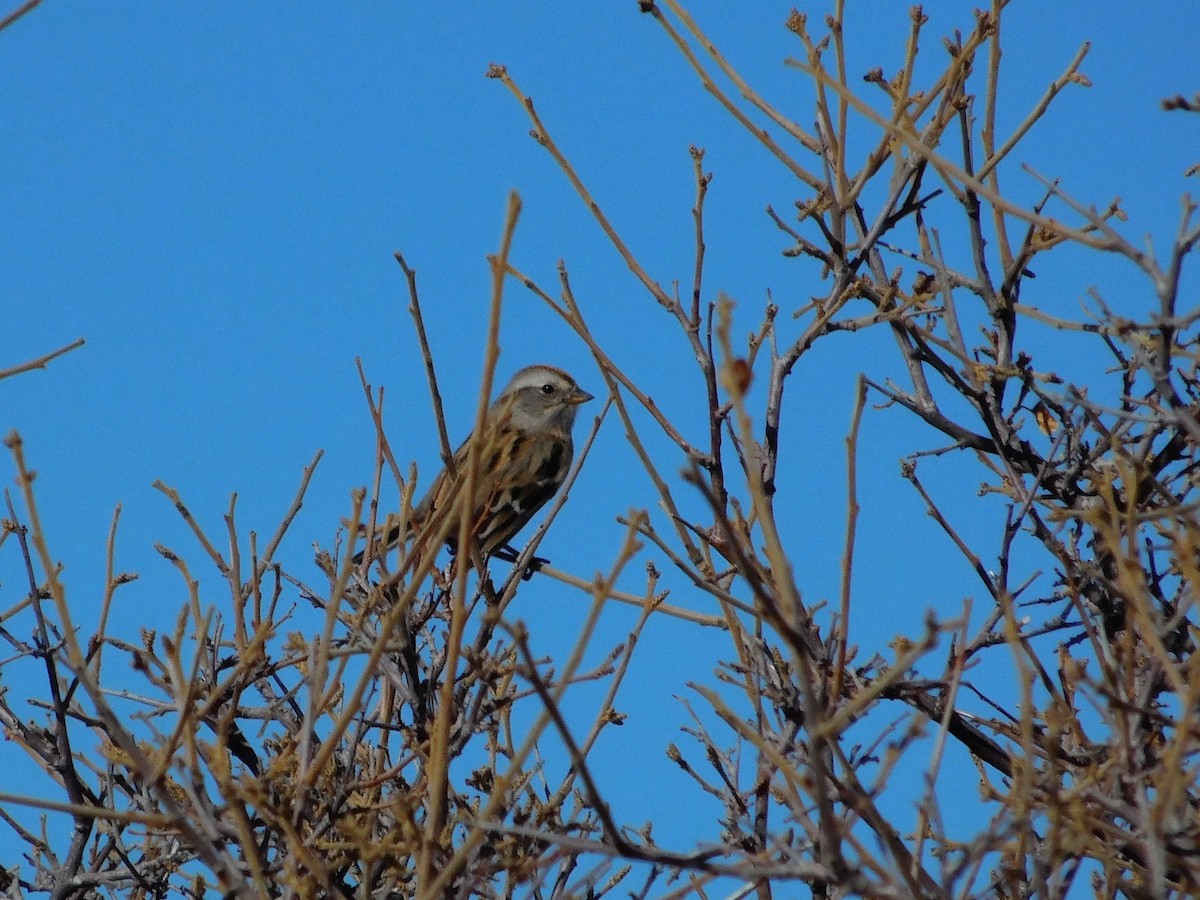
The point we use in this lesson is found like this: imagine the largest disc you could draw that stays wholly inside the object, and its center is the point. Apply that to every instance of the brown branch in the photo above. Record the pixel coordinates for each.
(41, 361)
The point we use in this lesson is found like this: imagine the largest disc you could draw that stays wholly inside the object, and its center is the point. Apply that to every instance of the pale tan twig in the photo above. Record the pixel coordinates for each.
(41, 361)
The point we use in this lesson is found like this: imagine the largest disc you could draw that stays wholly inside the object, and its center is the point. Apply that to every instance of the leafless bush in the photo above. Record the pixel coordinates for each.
(379, 757)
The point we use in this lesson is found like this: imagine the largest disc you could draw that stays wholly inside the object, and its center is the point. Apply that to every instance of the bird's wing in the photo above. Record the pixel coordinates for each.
(514, 497)
(508, 491)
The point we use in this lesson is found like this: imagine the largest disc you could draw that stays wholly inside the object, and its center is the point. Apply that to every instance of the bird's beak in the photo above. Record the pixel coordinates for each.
(579, 396)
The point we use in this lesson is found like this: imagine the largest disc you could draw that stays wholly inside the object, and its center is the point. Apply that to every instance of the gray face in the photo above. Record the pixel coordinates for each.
(542, 398)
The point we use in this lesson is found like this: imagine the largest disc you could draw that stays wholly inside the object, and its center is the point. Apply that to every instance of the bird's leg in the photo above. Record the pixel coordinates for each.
(508, 553)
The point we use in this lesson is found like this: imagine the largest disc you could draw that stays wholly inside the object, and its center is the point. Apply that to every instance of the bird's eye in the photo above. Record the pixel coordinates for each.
(547, 389)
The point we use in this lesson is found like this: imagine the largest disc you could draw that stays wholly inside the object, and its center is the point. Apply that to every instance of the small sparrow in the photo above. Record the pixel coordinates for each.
(525, 457)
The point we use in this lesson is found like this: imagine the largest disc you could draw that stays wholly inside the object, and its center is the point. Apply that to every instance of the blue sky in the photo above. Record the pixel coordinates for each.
(210, 194)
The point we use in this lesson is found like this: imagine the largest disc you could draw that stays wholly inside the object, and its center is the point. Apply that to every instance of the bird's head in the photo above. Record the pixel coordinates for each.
(542, 398)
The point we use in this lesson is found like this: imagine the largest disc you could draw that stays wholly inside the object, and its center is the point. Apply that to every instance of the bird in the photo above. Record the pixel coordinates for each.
(524, 458)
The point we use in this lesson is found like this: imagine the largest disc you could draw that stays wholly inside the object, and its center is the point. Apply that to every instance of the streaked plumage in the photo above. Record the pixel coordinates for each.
(526, 457)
